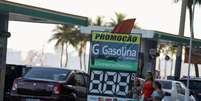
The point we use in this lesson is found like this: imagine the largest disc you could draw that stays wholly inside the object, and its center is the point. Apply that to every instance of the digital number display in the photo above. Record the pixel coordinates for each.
(110, 83)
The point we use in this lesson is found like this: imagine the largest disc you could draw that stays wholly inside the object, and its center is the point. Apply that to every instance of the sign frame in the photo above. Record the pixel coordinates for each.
(139, 49)
(131, 73)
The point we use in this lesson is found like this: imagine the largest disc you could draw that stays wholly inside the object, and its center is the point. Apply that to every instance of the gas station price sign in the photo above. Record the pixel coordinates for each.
(113, 64)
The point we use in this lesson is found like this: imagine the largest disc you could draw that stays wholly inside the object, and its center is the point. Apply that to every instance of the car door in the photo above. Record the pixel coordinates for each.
(192, 98)
(80, 86)
(180, 91)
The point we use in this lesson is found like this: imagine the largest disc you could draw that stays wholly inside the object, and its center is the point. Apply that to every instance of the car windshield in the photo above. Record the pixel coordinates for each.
(166, 84)
(193, 84)
(52, 74)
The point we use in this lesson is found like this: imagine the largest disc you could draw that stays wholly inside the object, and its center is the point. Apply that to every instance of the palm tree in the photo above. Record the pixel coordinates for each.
(83, 39)
(190, 8)
(173, 51)
(136, 26)
(168, 50)
(59, 37)
(99, 21)
(119, 17)
(65, 35)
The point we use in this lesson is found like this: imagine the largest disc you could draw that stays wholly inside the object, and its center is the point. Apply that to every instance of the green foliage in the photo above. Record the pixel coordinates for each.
(119, 17)
(66, 35)
(168, 50)
(190, 9)
(99, 21)
(190, 3)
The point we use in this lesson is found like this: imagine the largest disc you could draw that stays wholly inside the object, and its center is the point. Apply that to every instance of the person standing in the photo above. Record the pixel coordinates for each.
(148, 87)
(157, 95)
(137, 89)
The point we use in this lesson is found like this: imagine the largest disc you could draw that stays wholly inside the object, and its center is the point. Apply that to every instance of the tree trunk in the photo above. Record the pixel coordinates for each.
(80, 55)
(177, 71)
(196, 70)
(61, 57)
(66, 63)
(191, 16)
(159, 66)
(172, 62)
(85, 66)
(165, 70)
(171, 68)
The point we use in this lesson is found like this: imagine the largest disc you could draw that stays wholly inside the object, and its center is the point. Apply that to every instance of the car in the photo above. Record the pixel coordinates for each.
(50, 84)
(194, 86)
(174, 90)
(13, 71)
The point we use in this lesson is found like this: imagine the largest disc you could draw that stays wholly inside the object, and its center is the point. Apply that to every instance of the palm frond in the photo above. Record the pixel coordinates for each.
(190, 2)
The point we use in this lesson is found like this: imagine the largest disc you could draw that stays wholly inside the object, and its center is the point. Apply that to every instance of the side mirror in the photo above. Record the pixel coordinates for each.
(167, 94)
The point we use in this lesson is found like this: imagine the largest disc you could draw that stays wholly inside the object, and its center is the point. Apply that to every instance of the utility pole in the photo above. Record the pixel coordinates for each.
(181, 33)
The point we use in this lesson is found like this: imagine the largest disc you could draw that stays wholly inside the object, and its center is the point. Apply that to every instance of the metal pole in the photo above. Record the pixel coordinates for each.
(181, 33)
(190, 48)
(3, 48)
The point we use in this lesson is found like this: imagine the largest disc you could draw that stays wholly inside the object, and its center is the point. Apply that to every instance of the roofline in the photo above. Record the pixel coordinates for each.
(183, 40)
(176, 35)
(12, 7)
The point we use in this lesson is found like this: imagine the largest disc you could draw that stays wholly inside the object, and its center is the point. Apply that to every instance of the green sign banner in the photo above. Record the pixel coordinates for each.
(114, 51)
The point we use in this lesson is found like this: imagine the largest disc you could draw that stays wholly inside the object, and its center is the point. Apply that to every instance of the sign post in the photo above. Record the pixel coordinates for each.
(190, 51)
(113, 65)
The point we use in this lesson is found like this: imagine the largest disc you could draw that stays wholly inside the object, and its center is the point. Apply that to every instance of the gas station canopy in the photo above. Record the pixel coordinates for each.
(163, 37)
(25, 13)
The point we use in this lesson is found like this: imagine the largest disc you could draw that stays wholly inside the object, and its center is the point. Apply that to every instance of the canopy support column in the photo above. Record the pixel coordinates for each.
(4, 34)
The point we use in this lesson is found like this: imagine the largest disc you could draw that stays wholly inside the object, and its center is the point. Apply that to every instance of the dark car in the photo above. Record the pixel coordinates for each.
(12, 72)
(194, 86)
(50, 84)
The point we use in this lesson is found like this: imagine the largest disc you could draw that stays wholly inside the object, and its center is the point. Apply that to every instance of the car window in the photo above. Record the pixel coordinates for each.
(79, 80)
(180, 89)
(166, 84)
(193, 84)
(52, 74)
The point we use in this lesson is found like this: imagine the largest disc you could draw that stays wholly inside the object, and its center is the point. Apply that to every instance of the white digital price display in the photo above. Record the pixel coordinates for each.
(110, 83)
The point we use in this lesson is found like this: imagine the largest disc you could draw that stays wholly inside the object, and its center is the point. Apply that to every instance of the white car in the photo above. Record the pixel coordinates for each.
(175, 90)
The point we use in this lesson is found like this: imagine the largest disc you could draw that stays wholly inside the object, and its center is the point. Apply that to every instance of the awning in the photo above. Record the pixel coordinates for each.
(21, 12)
(176, 38)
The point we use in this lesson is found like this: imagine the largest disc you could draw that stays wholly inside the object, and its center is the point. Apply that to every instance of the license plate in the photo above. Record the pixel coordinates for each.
(32, 99)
